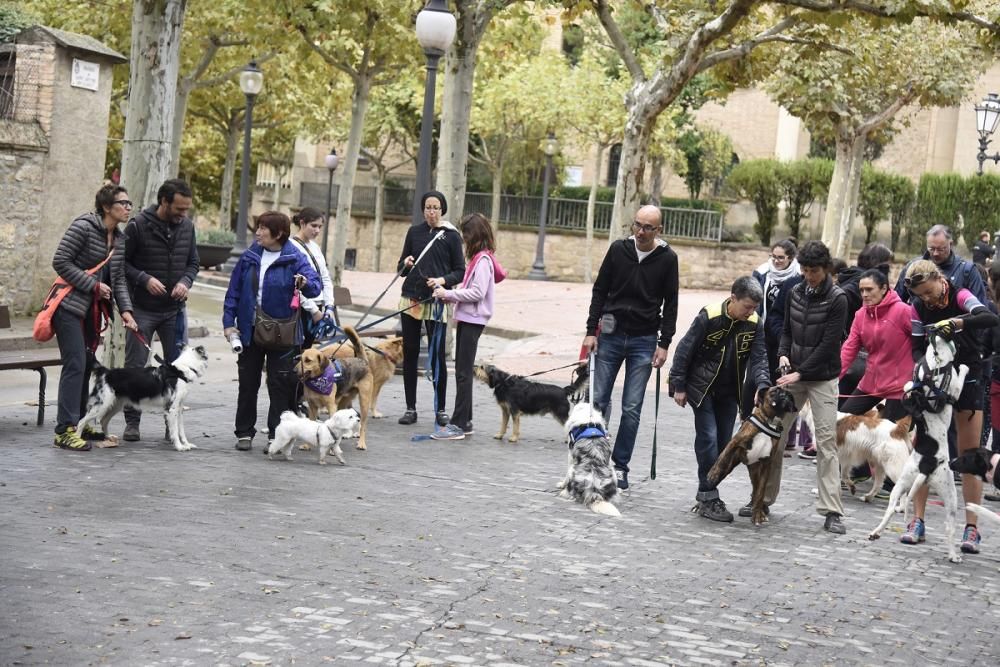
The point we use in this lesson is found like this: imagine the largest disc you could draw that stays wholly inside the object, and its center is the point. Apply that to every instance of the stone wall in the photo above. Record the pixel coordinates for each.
(21, 182)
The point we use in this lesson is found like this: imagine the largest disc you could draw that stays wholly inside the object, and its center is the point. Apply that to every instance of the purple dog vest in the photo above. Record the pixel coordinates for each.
(325, 383)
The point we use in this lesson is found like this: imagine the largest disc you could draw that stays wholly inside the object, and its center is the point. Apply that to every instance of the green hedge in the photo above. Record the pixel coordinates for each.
(582, 192)
(758, 181)
(982, 207)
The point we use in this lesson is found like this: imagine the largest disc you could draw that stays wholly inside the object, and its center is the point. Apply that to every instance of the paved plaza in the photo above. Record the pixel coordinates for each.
(449, 553)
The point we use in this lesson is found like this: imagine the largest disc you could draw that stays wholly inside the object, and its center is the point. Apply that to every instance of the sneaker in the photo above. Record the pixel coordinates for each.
(90, 433)
(131, 433)
(915, 532)
(71, 440)
(621, 477)
(716, 511)
(809, 453)
(994, 497)
(833, 524)
(970, 540)
(409, 417)
(442, 418)
(449, 432)
(243, 444)
(468, 430)
(861, 473)
(883, 494)
(747, 511)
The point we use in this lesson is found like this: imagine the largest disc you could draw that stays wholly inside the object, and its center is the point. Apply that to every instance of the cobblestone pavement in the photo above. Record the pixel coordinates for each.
(448, 553)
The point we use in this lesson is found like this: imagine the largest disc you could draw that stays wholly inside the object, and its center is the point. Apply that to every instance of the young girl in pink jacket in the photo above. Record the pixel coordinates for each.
(882, 326)
(474, 299)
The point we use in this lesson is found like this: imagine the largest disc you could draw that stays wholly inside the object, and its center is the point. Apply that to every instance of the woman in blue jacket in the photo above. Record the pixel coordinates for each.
(267, 274)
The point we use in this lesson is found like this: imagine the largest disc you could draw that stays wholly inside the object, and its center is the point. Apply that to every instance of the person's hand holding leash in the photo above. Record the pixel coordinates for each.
(590, 343)
(945, 328)
(104, 291)
(179, 292)
(659, 357)
(680, 398)
(435, 282)
(786, 374)
(408, 262)
(439, 293)
(129, 322)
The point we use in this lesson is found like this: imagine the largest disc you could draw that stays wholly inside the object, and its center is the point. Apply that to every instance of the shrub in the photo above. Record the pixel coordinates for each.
(800, 182)
(940, 199)
(216, 236)
(873, 199)
(901, 195)
(982, 206)
(757, 181)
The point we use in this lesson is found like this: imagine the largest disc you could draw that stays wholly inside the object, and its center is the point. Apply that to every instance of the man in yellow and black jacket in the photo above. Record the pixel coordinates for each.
(722, 348)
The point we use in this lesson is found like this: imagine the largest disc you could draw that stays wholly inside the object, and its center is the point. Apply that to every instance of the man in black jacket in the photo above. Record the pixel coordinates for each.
(635, 302)
(809, 359)
(723, 348)
(160, 262)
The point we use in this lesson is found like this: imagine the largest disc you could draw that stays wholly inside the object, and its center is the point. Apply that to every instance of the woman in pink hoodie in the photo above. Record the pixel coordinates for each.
(882, 326)
(475, 307)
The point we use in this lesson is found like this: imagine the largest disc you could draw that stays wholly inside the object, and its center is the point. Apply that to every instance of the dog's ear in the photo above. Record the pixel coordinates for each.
(324, 362)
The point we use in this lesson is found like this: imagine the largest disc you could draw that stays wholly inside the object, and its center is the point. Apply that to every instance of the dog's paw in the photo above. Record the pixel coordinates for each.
(873, 536)
(376, 415)
(362, 445)
(564, 493)
(512, 439)
(498, 436)
(955, 558)
(322, 462)
(305, 447)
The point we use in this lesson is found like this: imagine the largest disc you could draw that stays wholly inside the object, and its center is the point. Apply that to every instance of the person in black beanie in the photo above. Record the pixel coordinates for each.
(431, 257)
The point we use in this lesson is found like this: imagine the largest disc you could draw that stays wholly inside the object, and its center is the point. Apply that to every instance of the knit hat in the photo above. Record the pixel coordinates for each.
(437, 195)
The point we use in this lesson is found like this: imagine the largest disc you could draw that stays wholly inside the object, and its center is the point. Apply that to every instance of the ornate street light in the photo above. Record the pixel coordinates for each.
(331, 161)
(435, 32)
(987, 119)
(251, 83)
(550, 148)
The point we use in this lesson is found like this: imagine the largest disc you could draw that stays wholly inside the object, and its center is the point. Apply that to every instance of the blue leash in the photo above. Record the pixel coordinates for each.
(432, 370)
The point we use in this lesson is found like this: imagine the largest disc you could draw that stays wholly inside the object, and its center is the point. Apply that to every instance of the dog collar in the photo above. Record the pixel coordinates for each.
(587, 431)
(764, 427)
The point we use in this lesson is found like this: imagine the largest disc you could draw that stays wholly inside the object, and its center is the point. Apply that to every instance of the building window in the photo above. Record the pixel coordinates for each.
(8, 63)
(350, 258)
(614, 160)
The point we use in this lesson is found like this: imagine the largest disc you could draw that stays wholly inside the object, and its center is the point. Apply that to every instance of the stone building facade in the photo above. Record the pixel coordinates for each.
(54, 107)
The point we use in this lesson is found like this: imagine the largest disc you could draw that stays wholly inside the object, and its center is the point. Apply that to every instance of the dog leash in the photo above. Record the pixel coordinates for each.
(142, 339)
(656, 415)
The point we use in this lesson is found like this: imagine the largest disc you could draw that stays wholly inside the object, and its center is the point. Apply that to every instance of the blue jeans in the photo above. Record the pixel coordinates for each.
(637, 353)
(714, 421)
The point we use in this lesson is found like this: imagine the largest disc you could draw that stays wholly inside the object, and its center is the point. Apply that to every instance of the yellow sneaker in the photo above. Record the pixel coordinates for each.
(71, 440)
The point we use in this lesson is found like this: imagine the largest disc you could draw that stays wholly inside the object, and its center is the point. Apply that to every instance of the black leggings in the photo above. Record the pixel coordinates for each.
(860, 403)
(411, 352)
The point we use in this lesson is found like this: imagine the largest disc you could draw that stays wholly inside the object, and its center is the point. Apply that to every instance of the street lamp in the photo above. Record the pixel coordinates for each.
(435, 32)
(550, 148)
(251, 83)
(331, 163)
(987, 117)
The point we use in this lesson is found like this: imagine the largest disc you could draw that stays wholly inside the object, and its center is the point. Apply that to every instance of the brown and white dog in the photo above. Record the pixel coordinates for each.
(882, 444)
(755, 445)
(382, 362)
(333, 385)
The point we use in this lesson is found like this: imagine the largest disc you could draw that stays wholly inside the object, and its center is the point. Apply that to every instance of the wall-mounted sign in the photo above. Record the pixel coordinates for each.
(85, 74)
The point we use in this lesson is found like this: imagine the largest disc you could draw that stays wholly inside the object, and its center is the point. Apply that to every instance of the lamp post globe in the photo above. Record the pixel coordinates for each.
(251, 83)
(551, 148)
(331, 161)
(435, 29)
(987, 120)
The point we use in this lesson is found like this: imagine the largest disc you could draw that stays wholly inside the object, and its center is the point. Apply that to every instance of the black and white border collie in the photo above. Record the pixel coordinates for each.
(160, 389)
(589, 479)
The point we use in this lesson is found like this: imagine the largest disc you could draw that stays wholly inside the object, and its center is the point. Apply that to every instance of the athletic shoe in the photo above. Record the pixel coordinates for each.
(915, 532)
(468, 430)
(409, 417)
(449, 432)
(970, 540)
(71, 440)
(243, 444)
(442, 418)
(809, 454)
(861, 473)
(621, 476)
(747, 511)
(833, 524)
(883, 494)
(991, 496)
(131, 433)
(89, 433)
(716, 511)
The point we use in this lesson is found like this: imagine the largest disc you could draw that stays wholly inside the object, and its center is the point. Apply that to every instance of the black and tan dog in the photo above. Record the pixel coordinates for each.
(755, 445)
(518, 395)
(333, 385)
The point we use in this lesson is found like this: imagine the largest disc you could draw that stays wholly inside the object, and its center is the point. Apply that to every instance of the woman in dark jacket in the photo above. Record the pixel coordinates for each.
(266, 275)
(431, 257)
(89, 241)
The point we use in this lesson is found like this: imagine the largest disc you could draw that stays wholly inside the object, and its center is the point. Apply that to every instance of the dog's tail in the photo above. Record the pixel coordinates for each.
(604, 507)
(989, 516)
(359, 349)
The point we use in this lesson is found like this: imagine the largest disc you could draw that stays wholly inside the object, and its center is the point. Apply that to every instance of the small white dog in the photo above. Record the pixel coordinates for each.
(589, 478)
(325, 436)
(928, 397)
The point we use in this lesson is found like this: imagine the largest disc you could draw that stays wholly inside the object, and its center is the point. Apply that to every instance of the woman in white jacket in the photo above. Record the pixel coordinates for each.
(310, 225)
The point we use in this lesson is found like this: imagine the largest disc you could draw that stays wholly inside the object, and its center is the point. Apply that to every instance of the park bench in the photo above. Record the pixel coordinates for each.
(35, 360)
(342, 297)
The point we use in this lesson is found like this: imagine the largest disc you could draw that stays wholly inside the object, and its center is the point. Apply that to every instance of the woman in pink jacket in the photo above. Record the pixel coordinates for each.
(882, 326)
(475, 307)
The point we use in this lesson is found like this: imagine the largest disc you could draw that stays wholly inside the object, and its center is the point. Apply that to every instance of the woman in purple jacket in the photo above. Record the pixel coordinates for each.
(475, 307)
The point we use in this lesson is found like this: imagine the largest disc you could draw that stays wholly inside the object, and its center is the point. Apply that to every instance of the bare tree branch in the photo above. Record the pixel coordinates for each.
(876, 10)
(603, 9)
(880, 118)
(231, 72)
(772, 34)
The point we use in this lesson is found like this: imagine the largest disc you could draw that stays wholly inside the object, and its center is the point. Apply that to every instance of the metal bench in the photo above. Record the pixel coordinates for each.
(342, 297)
(35, 360)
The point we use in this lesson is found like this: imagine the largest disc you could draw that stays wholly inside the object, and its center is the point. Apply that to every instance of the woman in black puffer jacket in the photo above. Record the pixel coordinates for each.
(88, 242)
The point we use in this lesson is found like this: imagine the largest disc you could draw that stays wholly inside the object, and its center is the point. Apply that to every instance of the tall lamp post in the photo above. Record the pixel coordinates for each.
(331, 164)
(550, 148)
(251, 83)
(987, 118)
(435, 32)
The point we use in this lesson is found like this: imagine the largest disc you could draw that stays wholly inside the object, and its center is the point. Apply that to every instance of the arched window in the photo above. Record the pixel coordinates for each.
(614, 160)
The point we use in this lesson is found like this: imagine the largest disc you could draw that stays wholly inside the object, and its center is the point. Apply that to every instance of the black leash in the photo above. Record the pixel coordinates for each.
(656, 415)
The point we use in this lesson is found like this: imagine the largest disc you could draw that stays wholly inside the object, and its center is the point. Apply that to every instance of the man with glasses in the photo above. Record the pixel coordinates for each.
(961, 272)
(634, 302)
(161, 263)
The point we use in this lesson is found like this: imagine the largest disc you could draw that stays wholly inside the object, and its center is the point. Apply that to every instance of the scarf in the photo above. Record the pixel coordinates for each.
(774, 277)
(323, 384)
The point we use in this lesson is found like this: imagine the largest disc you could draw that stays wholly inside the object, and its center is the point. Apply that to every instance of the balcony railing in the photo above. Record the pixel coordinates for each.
(568, 214)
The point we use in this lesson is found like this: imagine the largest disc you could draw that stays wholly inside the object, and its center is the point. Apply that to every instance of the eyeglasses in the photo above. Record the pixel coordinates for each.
(917, 278)
(779, 258)
(432, 208)
(124, 202)
(939, 251)
(645, 229)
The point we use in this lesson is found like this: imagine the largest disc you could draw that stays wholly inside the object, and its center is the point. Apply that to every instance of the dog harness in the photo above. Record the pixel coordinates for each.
(324, 384)
(931, 394)
(587, 431)
(764, 427)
